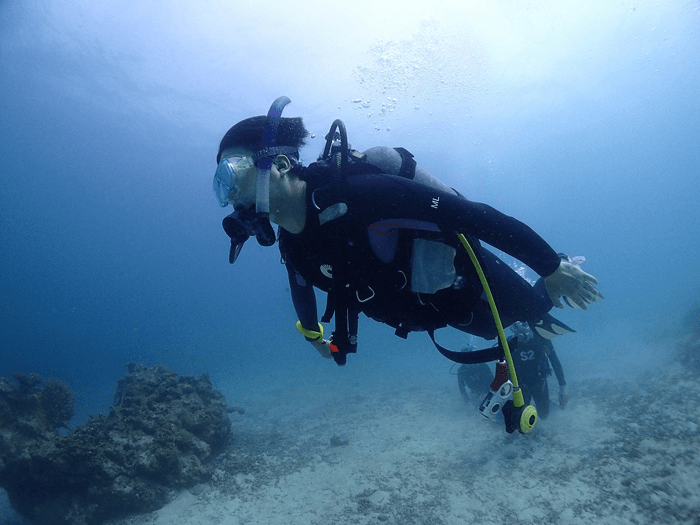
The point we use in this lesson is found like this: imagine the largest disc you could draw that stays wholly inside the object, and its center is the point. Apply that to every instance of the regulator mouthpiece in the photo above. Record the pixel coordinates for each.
(244, 223)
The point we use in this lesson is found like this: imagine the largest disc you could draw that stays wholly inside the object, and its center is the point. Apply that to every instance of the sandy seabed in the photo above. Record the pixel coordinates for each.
(385, 447)
(414, 453)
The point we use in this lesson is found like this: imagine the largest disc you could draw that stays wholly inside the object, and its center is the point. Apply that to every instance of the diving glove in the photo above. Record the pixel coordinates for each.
(571, 283)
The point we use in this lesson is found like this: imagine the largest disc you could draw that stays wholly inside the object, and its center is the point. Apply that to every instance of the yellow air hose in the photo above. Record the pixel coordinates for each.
(529, 414)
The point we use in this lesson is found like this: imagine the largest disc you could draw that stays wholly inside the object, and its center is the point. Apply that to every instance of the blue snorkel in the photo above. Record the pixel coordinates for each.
(244, 222)
(265, 234)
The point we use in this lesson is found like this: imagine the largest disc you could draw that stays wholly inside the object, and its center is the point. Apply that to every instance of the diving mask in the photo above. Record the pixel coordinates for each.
(227, 181)
(522, 332)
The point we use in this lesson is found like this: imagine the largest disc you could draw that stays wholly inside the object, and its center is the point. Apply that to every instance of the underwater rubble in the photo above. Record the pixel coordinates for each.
(688, 345)
(160, 435)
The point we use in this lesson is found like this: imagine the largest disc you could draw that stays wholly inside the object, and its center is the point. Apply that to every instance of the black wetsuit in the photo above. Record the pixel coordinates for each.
(386, 215)
(532, 364)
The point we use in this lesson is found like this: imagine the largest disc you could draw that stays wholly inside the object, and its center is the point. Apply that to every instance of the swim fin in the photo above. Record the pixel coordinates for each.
(549, 327)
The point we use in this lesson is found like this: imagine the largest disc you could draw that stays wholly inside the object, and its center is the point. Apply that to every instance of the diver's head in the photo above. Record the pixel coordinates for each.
(255, 161)
(241, 152)
(522, 331)
(249, 133)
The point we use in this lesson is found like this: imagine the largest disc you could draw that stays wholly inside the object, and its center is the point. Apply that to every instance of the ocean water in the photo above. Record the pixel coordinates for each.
(581, 120)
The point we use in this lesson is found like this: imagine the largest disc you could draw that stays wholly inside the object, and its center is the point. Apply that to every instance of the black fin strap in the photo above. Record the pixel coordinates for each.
(477, 356)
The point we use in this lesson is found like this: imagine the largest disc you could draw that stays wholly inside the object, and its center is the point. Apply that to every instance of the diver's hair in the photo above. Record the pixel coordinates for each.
(248, 133)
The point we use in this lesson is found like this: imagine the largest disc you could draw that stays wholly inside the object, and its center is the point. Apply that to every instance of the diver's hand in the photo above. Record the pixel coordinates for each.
(323, 347)
(574, 285)
(563, 396)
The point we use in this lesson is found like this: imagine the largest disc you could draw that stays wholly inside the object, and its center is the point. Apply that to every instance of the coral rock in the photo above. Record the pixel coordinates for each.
(160, 435)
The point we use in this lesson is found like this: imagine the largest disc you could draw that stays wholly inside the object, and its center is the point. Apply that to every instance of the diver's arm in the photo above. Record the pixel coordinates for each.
(502, 232)
(556, 365)
(561, 278)
(380, 197)
(563, 397)
(304, 300)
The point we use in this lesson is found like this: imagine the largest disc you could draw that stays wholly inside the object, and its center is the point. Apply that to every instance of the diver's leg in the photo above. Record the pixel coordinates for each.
(541, 396)
(477, 378)
(527, 392)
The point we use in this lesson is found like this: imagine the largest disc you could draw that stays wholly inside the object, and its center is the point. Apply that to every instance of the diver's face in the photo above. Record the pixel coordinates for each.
(246, 175)
(522, 332)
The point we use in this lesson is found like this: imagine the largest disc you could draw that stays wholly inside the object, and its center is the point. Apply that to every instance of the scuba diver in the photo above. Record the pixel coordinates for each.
(532, 358)
(383, 237)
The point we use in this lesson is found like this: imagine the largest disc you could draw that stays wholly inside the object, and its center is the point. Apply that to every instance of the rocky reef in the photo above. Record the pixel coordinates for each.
(161, 434)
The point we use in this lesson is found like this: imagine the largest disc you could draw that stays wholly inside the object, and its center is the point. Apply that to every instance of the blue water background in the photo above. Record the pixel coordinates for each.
(580, 120)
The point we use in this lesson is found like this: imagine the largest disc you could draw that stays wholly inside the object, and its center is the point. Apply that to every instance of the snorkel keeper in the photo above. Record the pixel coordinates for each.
(245, 222)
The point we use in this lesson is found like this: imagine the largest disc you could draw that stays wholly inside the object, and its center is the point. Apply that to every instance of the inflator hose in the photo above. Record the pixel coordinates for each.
(517, 392)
